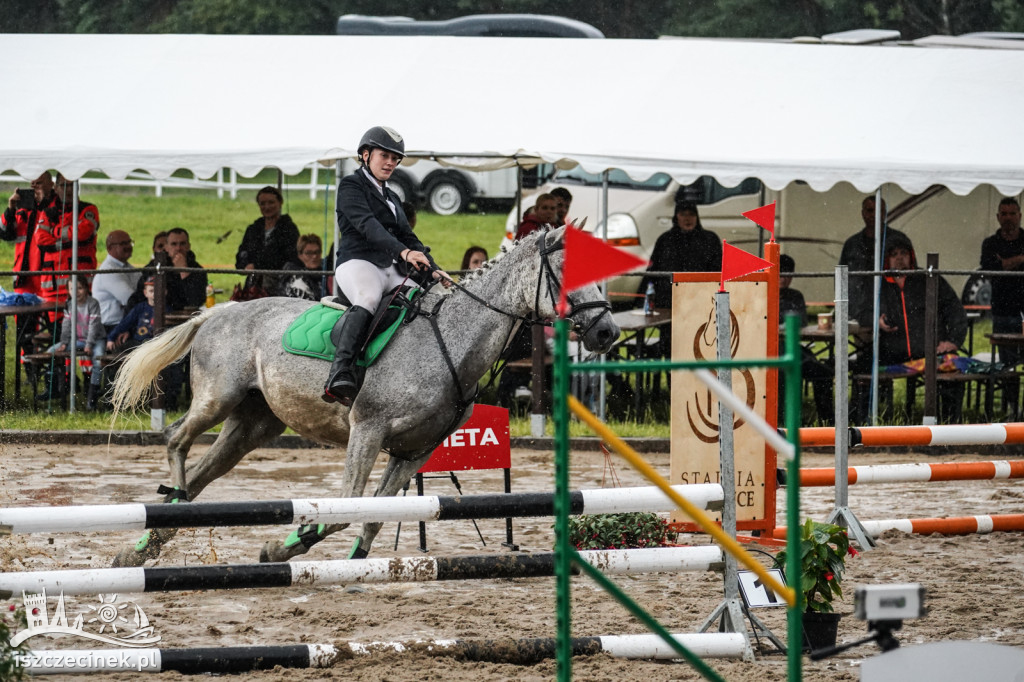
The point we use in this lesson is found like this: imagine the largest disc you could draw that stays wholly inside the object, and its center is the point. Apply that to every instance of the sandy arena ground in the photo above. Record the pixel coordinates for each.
(974, 582)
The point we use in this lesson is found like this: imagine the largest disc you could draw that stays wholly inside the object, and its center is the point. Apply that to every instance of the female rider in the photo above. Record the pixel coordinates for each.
(377, 250)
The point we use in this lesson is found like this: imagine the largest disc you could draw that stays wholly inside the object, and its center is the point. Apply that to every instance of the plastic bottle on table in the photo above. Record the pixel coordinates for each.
(210, 299)
(649, 299)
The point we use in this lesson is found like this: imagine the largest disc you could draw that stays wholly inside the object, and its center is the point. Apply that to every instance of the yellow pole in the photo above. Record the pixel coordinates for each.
(703, 520)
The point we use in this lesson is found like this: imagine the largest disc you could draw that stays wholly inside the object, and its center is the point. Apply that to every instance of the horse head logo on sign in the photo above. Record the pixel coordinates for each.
(706, 428)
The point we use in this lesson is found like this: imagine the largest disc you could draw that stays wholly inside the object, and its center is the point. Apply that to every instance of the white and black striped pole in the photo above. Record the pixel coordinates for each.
(393, 570)
(346, 510)
(211, 660)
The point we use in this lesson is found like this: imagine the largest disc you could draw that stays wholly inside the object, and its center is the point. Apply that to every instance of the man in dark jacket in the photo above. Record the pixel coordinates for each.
(902, 321)
(1004, 250)
(859, 255)
(184, 289)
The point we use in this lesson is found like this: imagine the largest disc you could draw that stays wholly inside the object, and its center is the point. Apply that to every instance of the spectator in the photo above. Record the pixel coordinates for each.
(902, 323)
(1004, 250)
(137, 327)
(791, 301)
(184, 289)
(17, 224)
(89, 335)
(269, 242)
(544, 214)
(114, 289)
(563, 199)
(474, 258)
(858, 255)
(309, 283)
(160, 243)
(54, 233)
(686, 247)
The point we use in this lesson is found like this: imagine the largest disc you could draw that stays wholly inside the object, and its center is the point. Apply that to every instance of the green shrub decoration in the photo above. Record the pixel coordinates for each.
(823, 551)
(619, 531)
(10, 669)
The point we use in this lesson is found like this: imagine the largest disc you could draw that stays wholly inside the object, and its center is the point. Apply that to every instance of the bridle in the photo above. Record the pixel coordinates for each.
(554, 286)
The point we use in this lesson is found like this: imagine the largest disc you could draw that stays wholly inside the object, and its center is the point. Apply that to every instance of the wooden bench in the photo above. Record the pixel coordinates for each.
(42, 361)
(984, 381)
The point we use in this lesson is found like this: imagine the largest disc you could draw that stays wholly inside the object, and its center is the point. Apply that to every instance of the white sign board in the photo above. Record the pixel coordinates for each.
(755, 593)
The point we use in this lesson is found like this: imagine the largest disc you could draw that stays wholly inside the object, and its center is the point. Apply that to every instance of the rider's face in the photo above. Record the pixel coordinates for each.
(381, 163)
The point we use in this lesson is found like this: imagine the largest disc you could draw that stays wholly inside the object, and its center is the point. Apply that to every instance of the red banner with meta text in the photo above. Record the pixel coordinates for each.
(481, 443)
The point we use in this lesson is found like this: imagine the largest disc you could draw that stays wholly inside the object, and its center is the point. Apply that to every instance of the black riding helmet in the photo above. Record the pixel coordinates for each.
(381, 137)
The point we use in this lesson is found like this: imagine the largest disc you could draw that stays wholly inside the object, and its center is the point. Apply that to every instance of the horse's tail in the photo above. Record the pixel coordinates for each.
(142, 366)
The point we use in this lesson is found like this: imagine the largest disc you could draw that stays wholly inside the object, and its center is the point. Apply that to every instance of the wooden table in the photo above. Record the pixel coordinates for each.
(176, 317)
(1006, 339)
(13, 311)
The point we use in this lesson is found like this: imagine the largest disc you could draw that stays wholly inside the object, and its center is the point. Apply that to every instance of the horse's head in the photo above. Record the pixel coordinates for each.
(589, 311)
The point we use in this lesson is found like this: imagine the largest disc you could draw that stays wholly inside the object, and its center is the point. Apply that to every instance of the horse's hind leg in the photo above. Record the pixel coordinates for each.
(361, 453)
(396, 475)
(249, 425)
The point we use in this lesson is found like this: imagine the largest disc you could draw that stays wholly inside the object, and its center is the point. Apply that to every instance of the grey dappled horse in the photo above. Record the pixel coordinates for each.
(412, 397)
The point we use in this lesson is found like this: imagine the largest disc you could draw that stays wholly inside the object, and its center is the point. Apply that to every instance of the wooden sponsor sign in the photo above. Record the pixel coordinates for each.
(694, 430)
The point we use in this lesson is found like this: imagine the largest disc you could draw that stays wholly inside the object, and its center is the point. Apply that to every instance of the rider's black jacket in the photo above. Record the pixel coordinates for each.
(370, 231)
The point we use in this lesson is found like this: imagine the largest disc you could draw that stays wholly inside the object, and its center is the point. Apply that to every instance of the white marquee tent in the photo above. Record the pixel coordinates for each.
(731, 109)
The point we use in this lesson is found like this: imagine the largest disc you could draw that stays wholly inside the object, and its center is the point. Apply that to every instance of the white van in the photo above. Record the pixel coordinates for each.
(810, 226)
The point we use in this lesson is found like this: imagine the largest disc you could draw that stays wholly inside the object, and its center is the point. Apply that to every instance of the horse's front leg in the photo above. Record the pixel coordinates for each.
(361, 454)
(396, 475)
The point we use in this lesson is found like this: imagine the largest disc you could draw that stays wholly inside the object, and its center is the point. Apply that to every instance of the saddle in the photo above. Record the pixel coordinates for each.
(310, 333)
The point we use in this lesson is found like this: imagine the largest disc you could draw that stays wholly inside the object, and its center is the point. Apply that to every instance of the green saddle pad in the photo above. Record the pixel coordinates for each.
(310, 333)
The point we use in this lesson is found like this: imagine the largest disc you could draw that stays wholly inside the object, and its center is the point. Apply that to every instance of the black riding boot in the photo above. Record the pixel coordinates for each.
(348, 336)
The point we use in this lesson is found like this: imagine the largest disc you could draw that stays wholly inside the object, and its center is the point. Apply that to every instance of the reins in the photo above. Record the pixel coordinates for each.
(553, 287)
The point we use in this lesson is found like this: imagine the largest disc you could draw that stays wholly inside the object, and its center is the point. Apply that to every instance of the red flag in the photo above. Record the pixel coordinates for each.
(588, 259)
(764, 216)
(737, 262)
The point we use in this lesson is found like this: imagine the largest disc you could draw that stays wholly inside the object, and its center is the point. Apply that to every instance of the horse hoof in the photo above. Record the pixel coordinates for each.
(129, 558)
(275, 552)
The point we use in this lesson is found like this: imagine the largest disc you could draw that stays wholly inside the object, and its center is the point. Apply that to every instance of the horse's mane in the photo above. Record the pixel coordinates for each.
(504, 251)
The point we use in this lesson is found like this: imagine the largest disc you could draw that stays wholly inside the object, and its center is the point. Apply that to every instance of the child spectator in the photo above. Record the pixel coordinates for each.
(134, 329)
(89, 334)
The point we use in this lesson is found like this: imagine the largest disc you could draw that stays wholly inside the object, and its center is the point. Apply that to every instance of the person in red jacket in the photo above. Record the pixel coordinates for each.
(17, 224)
(54, 234)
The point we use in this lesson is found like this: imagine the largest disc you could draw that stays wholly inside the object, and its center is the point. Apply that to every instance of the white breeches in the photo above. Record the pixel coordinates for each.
(364, 284)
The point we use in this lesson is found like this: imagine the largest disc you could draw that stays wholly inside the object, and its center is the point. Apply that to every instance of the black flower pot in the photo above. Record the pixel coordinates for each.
(820, 629)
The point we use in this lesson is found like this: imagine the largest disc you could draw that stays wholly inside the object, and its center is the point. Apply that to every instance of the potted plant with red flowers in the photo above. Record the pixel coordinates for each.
(823, 551)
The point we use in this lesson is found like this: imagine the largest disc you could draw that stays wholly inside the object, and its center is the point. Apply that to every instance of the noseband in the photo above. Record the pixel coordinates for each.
(554, 287)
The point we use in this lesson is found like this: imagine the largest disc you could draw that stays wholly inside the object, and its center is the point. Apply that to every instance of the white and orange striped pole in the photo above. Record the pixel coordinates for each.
(908, 473)
(891, 436)
(961, 525)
